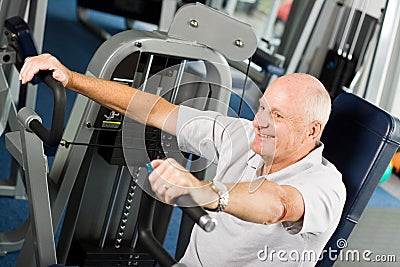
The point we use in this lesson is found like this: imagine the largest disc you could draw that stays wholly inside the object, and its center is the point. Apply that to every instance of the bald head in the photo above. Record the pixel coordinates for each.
(310, 95)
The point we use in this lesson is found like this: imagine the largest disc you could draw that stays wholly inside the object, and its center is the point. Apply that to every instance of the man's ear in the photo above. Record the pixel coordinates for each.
(315, 131)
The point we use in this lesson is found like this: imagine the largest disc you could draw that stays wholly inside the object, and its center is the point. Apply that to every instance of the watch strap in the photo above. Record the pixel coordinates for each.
(223, 194)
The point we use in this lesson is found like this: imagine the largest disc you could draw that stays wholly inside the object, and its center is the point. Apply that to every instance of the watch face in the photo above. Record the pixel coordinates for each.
(223, 193)
(219, 187)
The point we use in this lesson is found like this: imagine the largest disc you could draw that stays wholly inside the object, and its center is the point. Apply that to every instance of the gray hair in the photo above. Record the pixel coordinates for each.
(317, 102)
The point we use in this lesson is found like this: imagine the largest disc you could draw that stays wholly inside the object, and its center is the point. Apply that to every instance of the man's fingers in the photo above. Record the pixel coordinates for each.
(35, 64)
(156, 177)
(157, 162)
(169, 180)
(172, 193)
(28, 70)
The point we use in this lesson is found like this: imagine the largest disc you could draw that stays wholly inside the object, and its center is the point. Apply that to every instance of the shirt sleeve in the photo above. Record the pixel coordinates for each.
(324, 196)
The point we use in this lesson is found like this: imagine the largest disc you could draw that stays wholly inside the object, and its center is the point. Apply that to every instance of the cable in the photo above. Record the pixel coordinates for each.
(66, 144)
(244, 88)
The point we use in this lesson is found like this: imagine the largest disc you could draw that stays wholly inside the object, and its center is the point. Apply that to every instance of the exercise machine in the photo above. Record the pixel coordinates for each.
(108, 219)
(325, 37)
(13, 97)
(156, 12)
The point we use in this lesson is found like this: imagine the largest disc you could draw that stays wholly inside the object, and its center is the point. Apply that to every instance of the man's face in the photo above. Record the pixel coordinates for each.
(280, 129)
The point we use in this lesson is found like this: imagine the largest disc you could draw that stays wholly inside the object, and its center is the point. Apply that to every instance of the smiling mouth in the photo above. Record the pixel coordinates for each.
(266, 136)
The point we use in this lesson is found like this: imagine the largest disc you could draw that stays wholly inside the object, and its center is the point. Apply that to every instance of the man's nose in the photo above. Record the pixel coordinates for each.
(262, 120)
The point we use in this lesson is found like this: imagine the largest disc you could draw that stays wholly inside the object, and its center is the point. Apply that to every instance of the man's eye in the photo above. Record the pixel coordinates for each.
(277, 115)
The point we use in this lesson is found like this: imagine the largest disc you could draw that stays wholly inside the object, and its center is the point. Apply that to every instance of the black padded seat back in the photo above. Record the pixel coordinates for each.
(360, 140)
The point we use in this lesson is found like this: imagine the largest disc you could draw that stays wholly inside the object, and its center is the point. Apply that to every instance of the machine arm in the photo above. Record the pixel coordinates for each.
(20, 38)
(53, 136)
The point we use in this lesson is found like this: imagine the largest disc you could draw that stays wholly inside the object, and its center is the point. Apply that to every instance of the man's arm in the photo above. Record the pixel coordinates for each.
(146, 108)
(261, 201)
(266, 203)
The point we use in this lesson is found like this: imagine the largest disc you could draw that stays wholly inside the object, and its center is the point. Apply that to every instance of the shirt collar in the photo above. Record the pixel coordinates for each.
(314, 157)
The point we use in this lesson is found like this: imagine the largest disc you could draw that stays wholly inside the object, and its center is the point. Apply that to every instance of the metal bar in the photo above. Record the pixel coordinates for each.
(365, 45)
(168, 8)
(346, 29)
(336, 29)
(358, 30)
(178, 80)
(125, 212)
(302, 43)
(384, 49)
(83, 17)
(269, 24)
(35, 165)
(110, 208)
(5, 100)
(147, 72)
(230, 7)
(12, 241)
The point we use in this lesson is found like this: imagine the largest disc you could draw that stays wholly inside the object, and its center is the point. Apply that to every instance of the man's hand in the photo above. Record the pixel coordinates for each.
(270, 203)
(170, 180)
(35, 64)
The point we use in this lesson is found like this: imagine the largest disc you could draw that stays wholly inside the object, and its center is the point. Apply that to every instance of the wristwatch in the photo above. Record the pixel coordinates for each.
(223, 194)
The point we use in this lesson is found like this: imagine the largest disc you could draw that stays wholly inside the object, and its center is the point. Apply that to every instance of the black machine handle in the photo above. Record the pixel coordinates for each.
(196, 213)
(145, 223)
(20, 38)
(146, 235)
(53, 136)
(145, 228)
(192, 209)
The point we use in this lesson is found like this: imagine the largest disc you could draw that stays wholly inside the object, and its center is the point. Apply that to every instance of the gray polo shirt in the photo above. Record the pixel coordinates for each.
(226, 142)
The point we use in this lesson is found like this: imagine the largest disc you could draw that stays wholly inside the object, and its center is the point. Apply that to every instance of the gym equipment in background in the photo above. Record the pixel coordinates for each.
(89, 175)
(14, 96)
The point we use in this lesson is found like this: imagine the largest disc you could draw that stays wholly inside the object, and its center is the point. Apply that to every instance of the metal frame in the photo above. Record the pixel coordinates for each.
(34, 12)
(35, 165)
(296, 55)
(384, 65)
(103, 64)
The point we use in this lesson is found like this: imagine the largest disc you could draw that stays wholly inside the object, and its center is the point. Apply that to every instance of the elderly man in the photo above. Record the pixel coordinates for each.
(276, 199)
